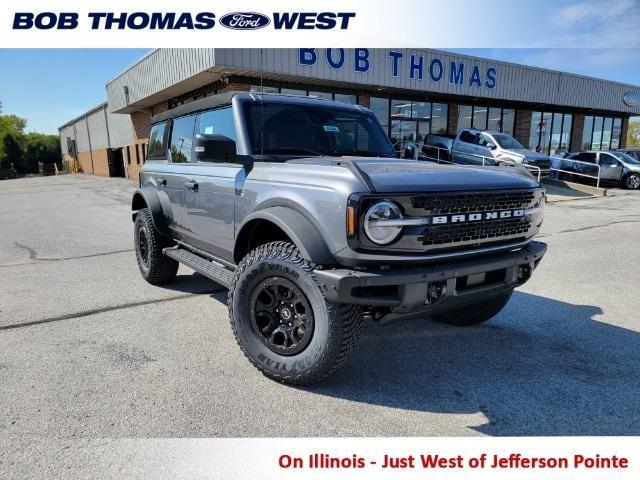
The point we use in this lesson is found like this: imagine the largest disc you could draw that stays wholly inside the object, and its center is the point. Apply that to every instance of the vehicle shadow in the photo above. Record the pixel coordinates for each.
(541, 367)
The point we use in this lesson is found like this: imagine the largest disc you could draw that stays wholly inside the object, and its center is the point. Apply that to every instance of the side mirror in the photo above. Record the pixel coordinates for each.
(491, 146)
(215, 148)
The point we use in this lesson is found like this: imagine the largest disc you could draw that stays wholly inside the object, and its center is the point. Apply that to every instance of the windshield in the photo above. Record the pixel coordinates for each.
(314, 130)
(507, 141)
(625, 157)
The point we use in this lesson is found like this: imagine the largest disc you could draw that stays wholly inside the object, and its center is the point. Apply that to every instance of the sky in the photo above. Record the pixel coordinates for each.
(49, 87)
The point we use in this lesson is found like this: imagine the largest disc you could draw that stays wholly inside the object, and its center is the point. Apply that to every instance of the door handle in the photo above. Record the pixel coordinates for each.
(162, 182)
(192, 186)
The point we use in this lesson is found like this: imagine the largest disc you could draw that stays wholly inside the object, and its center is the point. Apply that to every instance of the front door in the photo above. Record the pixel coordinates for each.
(209, 201)
(610, 168)
(210, 189)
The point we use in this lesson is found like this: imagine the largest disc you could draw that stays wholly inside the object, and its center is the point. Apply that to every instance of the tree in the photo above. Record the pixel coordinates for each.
(39, 147)
(633, 133)
(12, 149)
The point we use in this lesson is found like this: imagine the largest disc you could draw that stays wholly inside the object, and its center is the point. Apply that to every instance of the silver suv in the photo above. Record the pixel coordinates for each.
(615, 168)
(301, 209)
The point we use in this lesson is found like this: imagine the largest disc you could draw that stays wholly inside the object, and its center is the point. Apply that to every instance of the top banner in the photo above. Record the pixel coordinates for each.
(328, 23)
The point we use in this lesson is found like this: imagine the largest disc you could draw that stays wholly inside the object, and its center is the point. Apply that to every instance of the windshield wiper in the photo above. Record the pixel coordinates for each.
(293, 151)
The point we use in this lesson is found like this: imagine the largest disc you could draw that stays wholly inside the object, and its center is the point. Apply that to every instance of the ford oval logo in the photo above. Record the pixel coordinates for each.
(245, 20)
(632, 99)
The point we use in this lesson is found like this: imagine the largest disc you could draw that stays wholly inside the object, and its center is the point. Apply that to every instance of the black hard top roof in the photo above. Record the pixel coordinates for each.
(222, 99)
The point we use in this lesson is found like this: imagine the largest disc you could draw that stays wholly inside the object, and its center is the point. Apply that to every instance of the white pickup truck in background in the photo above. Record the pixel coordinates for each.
(476, 147)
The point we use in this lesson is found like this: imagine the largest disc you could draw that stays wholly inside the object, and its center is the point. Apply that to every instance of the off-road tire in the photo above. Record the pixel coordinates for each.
(629, 182)
(336, 330)
(157, 268)
(475, 313)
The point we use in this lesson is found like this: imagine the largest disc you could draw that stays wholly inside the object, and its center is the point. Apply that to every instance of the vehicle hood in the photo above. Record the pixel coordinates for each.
(391, 175)
(528, 154)
(632, 166)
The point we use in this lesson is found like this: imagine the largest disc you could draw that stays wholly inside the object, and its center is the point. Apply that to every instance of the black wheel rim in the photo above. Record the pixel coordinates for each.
(281, 316)
(143, 246)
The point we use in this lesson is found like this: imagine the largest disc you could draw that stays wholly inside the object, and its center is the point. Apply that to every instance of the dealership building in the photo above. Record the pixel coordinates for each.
(412, 93)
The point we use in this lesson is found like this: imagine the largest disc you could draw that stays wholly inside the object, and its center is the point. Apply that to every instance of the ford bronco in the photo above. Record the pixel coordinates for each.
(301, 209)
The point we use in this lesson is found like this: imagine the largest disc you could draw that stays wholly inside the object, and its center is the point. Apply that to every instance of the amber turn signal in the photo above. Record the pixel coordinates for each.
(351, 221)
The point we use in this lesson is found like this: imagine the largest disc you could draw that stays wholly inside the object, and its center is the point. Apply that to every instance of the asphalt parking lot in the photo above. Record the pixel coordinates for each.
(89, 350)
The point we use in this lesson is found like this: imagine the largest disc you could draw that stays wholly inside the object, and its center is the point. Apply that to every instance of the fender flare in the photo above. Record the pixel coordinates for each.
(147, 197)
(302, 232)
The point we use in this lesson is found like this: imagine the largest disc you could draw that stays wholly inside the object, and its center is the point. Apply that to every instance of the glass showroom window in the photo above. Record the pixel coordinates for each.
(616, 131)
(508, 120)
(465, 116)
(550, 132)
(380, 108)
(601, 133)
(486, 118)
(587, 133)
(325, 95)
(596, 138)
(340, 97)
(439, 114)
(412, 121)
(606, 134)
(494, 121)
(480, 118)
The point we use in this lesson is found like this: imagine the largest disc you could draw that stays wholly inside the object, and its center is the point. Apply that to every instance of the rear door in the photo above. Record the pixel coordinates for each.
(156, 168)
(210, 191)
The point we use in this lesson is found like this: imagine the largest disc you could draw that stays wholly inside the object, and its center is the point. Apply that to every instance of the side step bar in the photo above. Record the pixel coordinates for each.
(210, 269)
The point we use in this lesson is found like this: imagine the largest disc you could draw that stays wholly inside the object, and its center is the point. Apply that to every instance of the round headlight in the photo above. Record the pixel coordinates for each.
(375, 219)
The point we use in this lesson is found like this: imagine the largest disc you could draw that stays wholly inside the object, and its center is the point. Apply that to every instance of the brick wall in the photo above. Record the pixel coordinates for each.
(84, 160)
(100, 162)
(452, 120)
(523, 127)
(236, 87)
(364, 100)
(577, 129)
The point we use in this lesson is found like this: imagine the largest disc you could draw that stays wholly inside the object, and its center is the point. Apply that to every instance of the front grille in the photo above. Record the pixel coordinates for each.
(479, 230)
(460, 221)
(468, 234)
(442, 204)
(542, 164)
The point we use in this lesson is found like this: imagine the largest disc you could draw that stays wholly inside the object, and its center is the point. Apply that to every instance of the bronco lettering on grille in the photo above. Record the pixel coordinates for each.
(474, 217)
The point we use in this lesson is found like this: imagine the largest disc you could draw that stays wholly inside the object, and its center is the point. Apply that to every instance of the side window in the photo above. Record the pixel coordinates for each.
(483, 139)
(217, 122)
(156, 141)
(467, 137)
(589, 157)
(606, 159)
(182, 139)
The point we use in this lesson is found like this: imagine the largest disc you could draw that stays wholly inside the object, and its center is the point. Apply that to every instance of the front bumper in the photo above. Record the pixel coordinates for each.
(432, 287)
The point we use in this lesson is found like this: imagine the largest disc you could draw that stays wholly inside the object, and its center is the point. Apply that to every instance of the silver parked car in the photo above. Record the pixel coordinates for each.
(616, 168)
(476, 147)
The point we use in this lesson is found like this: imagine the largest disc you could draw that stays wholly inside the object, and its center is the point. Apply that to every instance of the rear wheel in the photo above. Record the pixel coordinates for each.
(281, 320)
(632, 181)
(475, 313)
(155, 267)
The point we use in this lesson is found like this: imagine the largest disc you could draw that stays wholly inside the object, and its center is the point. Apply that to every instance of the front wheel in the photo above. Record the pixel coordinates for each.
(632, 181)
(283, 323)
(475, 313)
